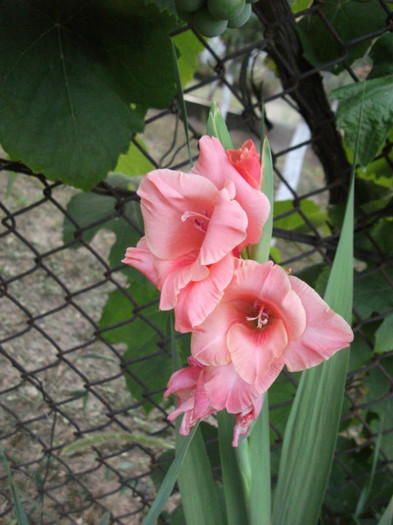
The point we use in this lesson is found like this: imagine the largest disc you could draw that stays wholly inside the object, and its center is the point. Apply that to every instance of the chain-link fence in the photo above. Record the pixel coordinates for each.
(80, 447)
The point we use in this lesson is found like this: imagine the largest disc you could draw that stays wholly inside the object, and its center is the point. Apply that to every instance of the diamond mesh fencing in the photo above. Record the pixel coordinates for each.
(76, 338)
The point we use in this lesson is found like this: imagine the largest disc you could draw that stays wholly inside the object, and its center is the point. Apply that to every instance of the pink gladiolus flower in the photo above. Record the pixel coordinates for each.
(267, 319)
(243, 168)
(191, 229)
(202, 391)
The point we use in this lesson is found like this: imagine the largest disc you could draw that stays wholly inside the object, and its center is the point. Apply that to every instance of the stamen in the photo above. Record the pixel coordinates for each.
(262, 317)
(201, 222)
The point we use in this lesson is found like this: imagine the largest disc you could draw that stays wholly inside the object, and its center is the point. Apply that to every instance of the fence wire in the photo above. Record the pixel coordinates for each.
(80, 447)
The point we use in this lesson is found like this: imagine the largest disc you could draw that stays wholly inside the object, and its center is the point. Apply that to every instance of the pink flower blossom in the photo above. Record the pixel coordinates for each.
(267, 319)
(191, 229)
(202, 391)
(243, 168)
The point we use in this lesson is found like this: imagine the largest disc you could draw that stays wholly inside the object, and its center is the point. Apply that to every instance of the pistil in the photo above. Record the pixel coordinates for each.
(201, 221)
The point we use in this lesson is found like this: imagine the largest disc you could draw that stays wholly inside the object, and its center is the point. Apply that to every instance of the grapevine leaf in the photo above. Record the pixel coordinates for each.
(75, 82)
(384, 336)
(373, 293)
(89, 212)
(350, 20)
(134, 162)
(382, 57)
(300, 5)
(376, 99)
(148, 366)
(189, 47)
(307, 213)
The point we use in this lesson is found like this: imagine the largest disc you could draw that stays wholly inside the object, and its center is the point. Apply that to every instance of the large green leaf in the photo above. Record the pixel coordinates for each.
(382, 57)
(189, 47)
(310, 213)
(89, 212)
(134, 162)
(299, 5)
(147, 364)
(384, 336)
(350, 19)
(375, 98)
(75, 80)
(373, 293)
(312, 429)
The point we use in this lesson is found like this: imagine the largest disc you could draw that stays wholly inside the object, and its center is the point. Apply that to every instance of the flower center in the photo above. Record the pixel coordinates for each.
(201, 221)
(262, 318)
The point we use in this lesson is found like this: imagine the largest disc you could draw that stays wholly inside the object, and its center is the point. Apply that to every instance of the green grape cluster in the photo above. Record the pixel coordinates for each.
(212, 17)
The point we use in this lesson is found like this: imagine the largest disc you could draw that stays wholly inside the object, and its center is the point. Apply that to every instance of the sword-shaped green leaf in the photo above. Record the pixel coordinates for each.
(235, 502)
(311, 433)
(216, 127)
(259, 509)
(198, 491)
(387, 516)
(169, 480)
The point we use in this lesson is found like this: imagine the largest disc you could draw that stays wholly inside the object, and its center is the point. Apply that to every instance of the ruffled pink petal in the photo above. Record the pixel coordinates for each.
(199, 298)
(254, 350)
(226, 390)
(326, 331)
(142, 259)
(270, 285)
(188, 385)
(227, 229)
(176, 274)
(169, 200)
(183, 382)
(244, 419)
(209, 341)
(214, 164)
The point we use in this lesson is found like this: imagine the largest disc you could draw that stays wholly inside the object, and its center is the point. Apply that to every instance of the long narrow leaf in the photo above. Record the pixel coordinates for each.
(20, 514)
(180, 98)
(198, 491)
(169, 480)
(259, 509)
(259, 504)
(216, 127)
(311, 433)
(368, 486)
(387, 516)
(197, 488)
(233, 489)
(260, 252)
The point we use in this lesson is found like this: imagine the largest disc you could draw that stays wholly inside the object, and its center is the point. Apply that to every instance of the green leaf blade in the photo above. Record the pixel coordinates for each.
(197, 488)
(169, 480)
(259, 446)
(235, 500)
(312, 429)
